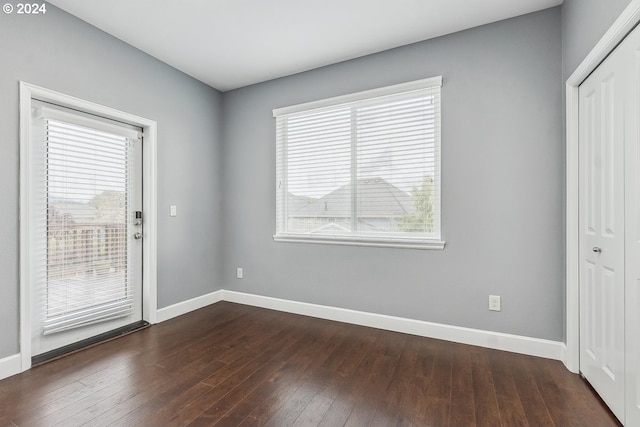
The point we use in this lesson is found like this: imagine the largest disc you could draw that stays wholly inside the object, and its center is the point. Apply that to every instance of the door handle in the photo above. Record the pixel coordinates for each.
(597, 249)
(137, 236)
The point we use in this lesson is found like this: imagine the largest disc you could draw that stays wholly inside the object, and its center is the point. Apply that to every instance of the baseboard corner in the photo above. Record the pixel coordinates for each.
(10, 365)
(188, 306)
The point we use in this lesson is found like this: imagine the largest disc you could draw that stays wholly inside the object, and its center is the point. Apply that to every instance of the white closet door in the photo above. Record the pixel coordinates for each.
(602, 286)
(631, 47)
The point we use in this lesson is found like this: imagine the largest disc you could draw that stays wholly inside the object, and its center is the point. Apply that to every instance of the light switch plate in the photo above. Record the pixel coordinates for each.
(173, 210)
(494, 303)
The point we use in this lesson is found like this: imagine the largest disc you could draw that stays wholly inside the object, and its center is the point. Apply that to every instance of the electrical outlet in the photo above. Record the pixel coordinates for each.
(239, 273)
(494, 303)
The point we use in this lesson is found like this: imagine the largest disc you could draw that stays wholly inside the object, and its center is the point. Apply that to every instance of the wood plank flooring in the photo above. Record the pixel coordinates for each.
(235, 365)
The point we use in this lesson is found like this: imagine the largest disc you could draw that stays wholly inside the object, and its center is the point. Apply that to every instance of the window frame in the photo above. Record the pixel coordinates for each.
(395, 240)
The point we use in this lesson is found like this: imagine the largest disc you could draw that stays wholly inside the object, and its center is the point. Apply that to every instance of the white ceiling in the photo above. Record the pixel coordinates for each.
(233, 43)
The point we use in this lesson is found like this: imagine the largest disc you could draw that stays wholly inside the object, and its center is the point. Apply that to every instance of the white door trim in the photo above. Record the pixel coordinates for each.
(149, 202)
(629, 18)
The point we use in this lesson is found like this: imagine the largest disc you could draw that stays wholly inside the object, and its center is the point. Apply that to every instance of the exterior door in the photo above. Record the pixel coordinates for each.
(87, 266)
(602, 280)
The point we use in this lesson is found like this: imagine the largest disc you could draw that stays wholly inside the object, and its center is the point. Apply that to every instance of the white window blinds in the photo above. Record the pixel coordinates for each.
(82, 214)
(361, 169)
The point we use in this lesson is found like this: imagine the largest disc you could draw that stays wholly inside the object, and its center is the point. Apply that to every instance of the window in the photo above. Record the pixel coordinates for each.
(361, 169)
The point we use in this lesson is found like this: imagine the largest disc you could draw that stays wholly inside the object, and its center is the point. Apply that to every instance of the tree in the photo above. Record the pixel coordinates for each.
(421, 219)
(109, 205)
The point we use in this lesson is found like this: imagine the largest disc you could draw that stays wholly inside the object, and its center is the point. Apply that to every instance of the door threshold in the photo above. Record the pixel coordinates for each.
(86, 343)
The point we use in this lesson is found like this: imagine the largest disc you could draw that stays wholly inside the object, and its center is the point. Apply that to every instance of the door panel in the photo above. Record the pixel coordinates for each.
(602, 241)
(610, 134)
(588, 142)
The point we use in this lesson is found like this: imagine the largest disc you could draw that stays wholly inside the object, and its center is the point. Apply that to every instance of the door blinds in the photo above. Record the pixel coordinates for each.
(82, 211)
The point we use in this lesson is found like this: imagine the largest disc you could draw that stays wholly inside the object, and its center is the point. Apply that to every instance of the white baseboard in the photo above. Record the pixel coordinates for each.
(566, 360)
(495, 340)
(185, 307)
(10, 366)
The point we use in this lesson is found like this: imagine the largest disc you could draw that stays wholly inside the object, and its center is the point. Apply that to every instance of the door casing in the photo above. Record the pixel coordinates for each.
(149, 202)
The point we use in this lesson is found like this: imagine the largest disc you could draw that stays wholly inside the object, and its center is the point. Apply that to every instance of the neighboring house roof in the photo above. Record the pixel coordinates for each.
(331, 226)
(296, 202)
(377, 198)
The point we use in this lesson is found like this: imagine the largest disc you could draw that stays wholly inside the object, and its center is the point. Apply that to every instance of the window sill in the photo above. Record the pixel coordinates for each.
(363, 241)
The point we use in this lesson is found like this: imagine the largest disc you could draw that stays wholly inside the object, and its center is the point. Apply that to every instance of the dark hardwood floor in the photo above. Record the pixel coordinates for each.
(234, 365)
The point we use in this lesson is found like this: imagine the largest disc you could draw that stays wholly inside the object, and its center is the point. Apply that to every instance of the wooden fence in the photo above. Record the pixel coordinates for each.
(86, 249)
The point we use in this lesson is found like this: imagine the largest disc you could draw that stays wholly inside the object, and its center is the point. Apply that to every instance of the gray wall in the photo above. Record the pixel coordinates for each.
(502, 169)
(62, 53)
(584, 22)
